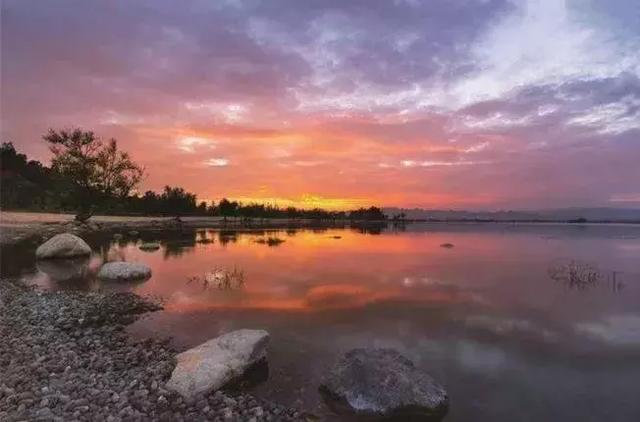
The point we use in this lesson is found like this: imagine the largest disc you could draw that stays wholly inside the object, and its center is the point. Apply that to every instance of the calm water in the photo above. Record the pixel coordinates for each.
(526, 323)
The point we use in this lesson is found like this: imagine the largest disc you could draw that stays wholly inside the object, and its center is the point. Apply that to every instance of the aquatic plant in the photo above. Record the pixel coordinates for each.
(221, 278)
(575, 274)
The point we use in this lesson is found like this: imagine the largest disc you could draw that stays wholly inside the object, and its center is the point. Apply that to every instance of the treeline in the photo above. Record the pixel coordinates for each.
(30, 185)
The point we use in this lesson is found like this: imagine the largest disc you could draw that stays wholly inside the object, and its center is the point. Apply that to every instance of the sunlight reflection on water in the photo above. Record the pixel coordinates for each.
(484, 317)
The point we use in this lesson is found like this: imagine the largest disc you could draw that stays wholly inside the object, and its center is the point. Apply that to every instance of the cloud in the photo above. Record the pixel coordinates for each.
(413, 163)
(490, 103)
(217, 162)
(190, 143)
(619, 330)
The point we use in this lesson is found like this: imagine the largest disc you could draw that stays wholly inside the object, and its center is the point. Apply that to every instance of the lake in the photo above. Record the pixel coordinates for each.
(518, 322)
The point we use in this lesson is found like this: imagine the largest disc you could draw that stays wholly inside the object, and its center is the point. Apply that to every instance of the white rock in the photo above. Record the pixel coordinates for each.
(64, 245)
(123, 271)
(211, 365)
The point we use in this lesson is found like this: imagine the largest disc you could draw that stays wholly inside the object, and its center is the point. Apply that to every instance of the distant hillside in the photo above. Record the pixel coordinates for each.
(562, 214)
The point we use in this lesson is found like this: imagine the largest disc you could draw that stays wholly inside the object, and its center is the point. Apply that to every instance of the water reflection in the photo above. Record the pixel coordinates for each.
(371, 228)
(489, 318)
(270, 241)
(65, 270)
(225, 237)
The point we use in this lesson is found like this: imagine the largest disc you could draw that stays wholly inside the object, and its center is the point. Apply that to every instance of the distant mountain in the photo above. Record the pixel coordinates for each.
(562, 214)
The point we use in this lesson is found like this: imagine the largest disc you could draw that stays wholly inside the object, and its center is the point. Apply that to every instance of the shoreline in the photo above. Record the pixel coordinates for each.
(16, 227)
(66, 356)
(16, 232)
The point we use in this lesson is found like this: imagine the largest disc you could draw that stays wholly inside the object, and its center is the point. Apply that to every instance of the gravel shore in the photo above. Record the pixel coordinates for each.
(65, 356)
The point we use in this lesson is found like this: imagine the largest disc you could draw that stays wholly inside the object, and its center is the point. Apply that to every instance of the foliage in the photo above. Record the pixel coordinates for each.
(97, 171)
(27, 184)
(86, 172)
(371, 213)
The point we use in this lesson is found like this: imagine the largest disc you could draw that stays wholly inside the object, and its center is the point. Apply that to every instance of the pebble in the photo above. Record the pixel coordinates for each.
(67, 358)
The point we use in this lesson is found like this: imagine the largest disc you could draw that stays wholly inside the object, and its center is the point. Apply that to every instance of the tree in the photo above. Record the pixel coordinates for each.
(118, 173)
(97, 171)
(227, 208)
(25, 184)
(399, 217)
(371, 213)
(176, 201)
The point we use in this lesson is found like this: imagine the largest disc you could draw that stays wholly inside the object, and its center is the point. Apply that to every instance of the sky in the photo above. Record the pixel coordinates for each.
(487, 104)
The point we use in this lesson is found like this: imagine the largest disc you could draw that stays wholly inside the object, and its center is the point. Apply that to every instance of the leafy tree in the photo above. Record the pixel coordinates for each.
(101, 177)
(24, 183)
(400, 216)
(177, 201)
(371, 213)
(227, 208)
(97, 171)
(117, 173)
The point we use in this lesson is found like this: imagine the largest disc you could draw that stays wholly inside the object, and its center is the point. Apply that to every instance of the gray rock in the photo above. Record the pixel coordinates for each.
(133, 233)
(150, 246)
(211, 365)
(64, 245)
(117, 236)
(64, 269)
(383, 383)
(76, 343)
(123, 271)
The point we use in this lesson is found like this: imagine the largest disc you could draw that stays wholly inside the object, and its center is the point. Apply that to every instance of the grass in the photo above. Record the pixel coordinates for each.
(221, 278)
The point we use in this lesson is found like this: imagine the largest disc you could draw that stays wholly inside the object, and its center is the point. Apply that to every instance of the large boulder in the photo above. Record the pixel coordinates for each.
(211, 365)
(64, 245)
(65, 269)
(383, 383)
(124, 271)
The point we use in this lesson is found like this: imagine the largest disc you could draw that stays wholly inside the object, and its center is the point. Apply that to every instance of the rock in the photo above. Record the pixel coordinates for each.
(117, 236)
(68, 357)
(211, 365)
(149, 246)
(64, 245)
(383, 383)
(45, 413)
(65, 269)
(133, 233)
(123, 271)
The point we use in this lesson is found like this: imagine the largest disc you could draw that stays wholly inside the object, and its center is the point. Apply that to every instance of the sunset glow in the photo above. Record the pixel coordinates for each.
(444, 104)
(271, 278)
